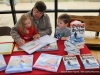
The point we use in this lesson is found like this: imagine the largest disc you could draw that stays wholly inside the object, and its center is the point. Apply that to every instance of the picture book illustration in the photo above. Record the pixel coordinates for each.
(49, 47)
(77, 32)
(44, 62)
(20, 63)
(89, 60)
(71, 62)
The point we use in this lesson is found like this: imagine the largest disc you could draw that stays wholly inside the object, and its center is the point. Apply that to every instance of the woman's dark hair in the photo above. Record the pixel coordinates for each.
(40, 6)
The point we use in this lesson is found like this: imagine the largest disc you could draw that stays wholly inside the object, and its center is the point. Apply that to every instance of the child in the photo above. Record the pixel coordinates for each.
(26, 29)
(62, 30)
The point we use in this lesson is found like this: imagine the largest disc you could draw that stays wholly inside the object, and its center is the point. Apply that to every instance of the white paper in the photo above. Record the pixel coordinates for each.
(47, 39)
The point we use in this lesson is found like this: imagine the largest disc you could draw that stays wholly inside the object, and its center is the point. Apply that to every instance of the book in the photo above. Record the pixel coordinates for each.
(89, 61)
(32, 46)
(49, 47)
(22, 63)
(77, 33)
(71, 48)
(6, 39)
(71, 62)
(48, 62)
(6, 48)
(2, 63)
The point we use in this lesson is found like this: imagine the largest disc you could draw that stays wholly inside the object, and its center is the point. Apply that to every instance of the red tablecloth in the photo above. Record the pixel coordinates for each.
(61, 69)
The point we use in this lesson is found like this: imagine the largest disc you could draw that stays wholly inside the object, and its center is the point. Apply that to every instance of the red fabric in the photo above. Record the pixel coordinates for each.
(61, 68)
(28, 36)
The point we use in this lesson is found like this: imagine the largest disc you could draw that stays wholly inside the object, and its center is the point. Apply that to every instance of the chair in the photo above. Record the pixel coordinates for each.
(4, 30)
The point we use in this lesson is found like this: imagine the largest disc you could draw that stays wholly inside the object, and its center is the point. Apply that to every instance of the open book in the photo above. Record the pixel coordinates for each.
(32, 46)
(49, 47)
(71, 62)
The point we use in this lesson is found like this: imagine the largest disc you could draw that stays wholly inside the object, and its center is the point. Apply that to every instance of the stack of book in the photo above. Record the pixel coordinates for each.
(2, 63)
(48, 62)
(77, 33)
(22, 63)
(71, 62)
(71, 48)
(33, 46)
(49, 47)
(6, 48)
(89, 61)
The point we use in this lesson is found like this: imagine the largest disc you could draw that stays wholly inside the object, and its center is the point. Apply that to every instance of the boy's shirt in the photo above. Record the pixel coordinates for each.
(30, 33)
(65, 32)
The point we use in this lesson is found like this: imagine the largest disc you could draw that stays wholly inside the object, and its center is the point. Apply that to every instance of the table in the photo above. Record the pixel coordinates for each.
(61, 69)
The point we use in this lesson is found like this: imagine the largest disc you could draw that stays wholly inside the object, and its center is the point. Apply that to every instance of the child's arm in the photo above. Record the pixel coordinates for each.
(36, 34)
(65, 38)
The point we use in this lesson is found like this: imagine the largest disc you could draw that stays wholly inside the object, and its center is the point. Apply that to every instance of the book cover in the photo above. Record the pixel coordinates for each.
(32, 46)
(22, 63)
(2, 63)
(6, 48)
(48, 62)
(71, 48)
(49, 47)
(77, 33)
(71, 62)
(89, 61)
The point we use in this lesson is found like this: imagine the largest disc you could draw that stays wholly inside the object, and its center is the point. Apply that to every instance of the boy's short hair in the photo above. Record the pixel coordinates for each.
(65, 18)
(40, 5)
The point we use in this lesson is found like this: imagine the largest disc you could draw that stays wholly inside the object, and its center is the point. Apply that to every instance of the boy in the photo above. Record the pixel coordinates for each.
(62, 30)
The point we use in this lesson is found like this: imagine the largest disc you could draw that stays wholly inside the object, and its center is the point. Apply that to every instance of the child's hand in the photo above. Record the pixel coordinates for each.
(65, 38)
(21, 42)
(37, 36)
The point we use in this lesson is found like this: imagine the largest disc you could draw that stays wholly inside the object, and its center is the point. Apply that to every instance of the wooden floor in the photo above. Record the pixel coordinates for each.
(96, 54)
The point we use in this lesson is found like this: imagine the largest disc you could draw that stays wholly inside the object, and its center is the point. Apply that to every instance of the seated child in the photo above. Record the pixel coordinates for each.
(62, 30)
(27, 29)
